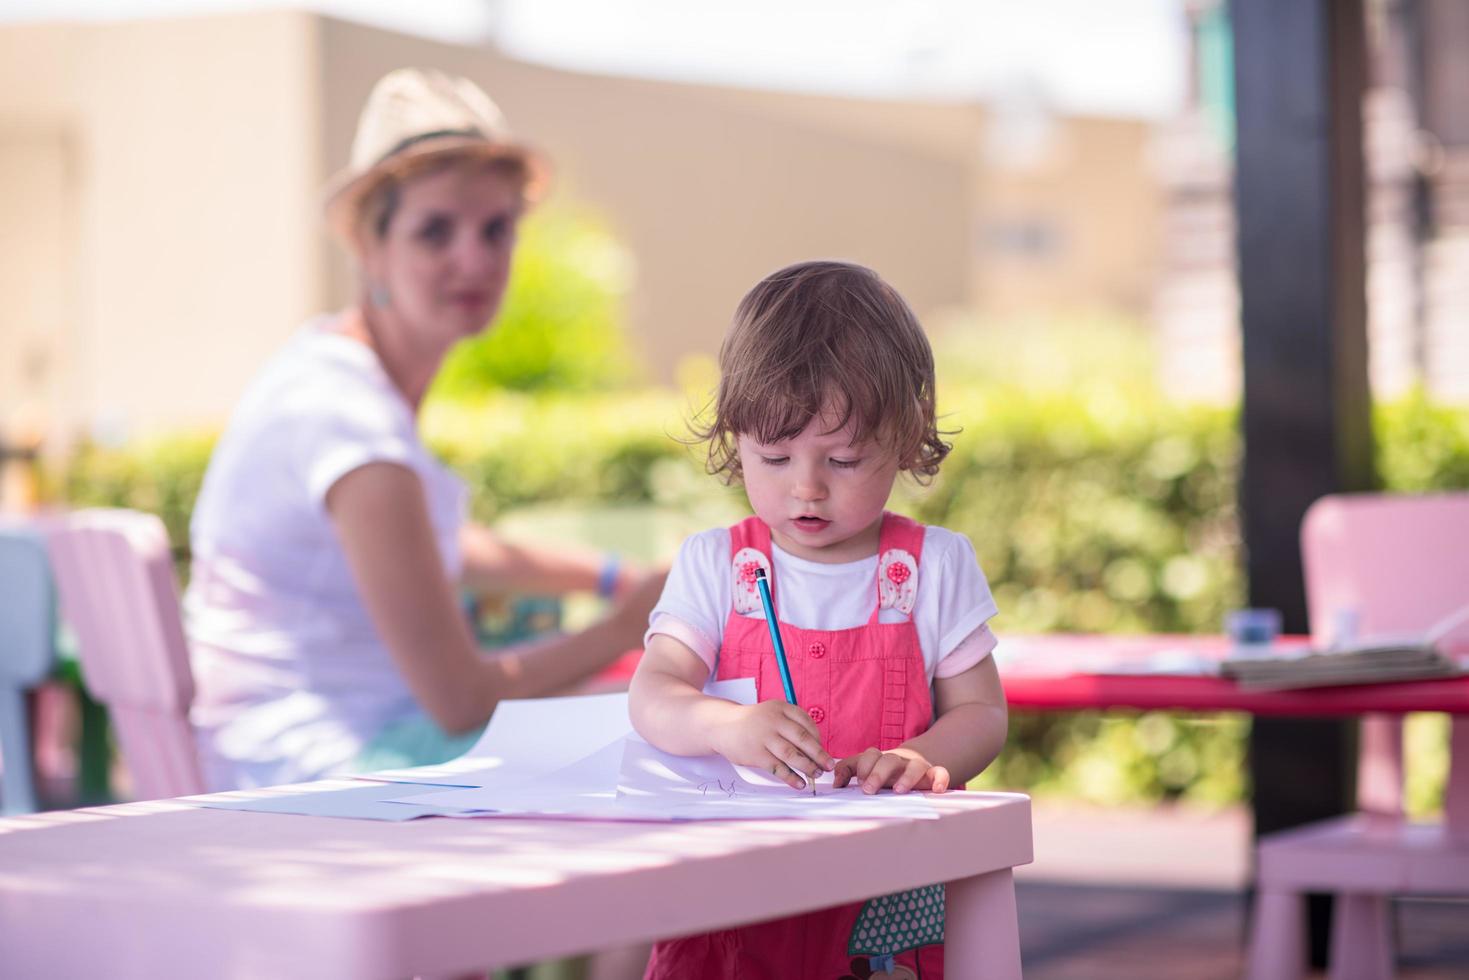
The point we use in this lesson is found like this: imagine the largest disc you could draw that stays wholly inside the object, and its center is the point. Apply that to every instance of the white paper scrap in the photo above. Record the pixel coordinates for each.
(657, 785)
(535, 736)
(579, 757)
(373, 801)
(587, 787)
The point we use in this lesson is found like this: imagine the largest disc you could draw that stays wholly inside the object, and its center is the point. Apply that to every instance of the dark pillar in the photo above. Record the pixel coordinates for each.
(1300, 69)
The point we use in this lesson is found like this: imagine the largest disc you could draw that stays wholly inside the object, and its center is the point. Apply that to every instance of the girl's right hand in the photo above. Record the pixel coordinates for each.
(778, 737)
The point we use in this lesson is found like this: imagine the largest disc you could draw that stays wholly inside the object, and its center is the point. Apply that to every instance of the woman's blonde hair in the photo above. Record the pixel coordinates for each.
(825, 336)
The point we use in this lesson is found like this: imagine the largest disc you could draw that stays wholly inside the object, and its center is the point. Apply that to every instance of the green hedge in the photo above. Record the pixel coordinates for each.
(1088, 512)
(561, 326)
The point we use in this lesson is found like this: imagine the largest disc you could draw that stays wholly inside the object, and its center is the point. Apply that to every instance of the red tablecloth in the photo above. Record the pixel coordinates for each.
(1072, 672)
(1066, 672)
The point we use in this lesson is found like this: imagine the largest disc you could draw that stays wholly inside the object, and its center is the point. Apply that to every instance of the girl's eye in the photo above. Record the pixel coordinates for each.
(774, 460)
(436, 231)
(845, 464)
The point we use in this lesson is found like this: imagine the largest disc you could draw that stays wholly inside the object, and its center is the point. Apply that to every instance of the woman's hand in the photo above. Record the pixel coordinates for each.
(778, 737)
(902, 768)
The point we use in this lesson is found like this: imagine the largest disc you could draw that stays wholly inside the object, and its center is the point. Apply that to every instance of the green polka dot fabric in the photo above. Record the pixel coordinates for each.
(897, 923)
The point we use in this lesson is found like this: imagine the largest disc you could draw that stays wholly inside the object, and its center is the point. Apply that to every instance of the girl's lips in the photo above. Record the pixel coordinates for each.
(811, 524)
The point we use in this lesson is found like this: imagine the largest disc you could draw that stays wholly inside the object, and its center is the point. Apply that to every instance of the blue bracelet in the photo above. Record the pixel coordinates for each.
(607, 578)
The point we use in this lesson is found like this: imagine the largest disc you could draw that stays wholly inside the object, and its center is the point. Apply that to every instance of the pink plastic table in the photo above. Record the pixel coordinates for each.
(1060, 672)
(164, 889)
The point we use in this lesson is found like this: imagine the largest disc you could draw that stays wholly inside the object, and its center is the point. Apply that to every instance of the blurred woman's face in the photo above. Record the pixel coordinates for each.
(444, 258)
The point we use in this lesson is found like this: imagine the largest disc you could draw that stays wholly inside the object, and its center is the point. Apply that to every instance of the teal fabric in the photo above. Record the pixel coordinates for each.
(415, 741)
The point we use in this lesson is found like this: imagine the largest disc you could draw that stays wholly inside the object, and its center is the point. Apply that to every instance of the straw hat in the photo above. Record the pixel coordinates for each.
(413, 114)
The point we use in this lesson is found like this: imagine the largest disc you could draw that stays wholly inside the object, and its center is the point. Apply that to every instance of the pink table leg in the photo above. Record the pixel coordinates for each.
(1277, 936)
(1456, 794)
(981, 928)
(1380, 765)
(1361, 938)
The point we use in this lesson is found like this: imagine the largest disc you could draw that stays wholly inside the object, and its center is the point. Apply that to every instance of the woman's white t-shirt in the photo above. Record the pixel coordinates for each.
(952, 605)
(292, 680)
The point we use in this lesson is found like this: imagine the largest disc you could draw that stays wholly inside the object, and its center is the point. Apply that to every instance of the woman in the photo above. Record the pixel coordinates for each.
(329, 545)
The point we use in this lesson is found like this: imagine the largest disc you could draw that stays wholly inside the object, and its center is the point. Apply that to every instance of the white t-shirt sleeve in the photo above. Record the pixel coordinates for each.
(970, 651)
(696, 599)
(356, 426)
(964, 602)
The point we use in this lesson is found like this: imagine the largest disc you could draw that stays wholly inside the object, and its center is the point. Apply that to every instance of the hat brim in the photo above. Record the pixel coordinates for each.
(343, 193)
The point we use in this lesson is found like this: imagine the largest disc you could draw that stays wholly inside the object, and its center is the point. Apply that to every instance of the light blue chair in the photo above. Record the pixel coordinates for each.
(27, 657)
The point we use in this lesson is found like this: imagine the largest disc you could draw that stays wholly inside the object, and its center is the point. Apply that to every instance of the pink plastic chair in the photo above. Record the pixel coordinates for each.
(1396, 564)
(115, 577)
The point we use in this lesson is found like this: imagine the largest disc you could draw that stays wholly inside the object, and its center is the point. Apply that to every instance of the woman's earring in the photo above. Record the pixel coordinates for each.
(377, 295)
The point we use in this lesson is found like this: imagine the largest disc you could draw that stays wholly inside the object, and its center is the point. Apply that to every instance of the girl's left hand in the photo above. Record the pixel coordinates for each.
(902, 769)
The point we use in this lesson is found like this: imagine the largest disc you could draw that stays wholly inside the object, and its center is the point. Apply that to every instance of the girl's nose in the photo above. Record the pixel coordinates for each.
(807, 487)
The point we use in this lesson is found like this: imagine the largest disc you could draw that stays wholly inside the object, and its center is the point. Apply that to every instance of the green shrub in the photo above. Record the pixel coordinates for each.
(517, 449)
(161, 476)
(561, 328)
(1089, 511)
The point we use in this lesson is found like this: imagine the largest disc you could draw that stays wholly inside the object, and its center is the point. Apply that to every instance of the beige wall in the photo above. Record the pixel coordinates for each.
(202, 174)
(709, 190)
(41, 118)
(160, 178)
(37, 271)
(1091, 211)
(188, 181)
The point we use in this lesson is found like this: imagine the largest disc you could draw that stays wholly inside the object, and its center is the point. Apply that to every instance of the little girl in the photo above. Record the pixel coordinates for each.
(826, 394)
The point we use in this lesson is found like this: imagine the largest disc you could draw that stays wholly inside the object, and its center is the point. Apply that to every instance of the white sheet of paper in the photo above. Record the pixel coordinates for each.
(528, 738)
(370, 801)
(587, 787)
(579, 757)
(631, 780)
(521, 778)
(656, 785)
(535, 736)
(548, 733)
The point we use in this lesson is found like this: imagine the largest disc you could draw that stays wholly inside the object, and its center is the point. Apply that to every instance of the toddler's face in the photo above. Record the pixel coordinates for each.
(821, 495)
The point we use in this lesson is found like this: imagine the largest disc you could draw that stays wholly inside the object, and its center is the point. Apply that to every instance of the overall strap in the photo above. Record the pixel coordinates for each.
(752, 532)
(899, 532)
(749, 547)
(899, 550)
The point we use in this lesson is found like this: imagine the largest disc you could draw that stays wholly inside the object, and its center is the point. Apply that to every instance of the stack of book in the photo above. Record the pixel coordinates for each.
(1368, 660)
(1364, 663)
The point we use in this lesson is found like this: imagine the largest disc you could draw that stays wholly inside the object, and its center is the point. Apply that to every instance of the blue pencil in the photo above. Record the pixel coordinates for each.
(780, 648)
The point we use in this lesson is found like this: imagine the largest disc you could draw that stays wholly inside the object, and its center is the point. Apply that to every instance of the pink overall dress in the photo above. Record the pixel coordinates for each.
(863, 687)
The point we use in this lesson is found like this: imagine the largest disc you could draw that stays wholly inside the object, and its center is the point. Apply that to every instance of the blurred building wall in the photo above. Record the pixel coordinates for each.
(41, 119)
(1416, 151)
(164, 175)
(184, 207)
(708, 189)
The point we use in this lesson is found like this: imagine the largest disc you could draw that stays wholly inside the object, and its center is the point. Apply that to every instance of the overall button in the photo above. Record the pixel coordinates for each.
(818, 714)
(817, 650)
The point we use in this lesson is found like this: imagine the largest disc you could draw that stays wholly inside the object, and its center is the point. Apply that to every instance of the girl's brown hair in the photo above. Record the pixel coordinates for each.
(825, 335)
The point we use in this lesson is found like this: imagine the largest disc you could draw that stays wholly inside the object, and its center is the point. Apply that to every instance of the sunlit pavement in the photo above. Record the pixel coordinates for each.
(1157, 894)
